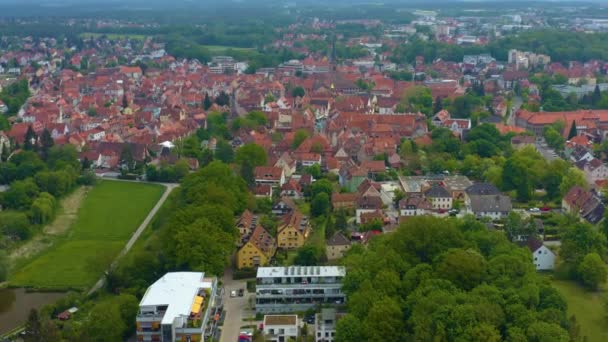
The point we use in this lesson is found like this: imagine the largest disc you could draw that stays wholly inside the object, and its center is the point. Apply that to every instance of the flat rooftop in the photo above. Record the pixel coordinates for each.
(280, 320)
(305, 271)
(176, 290)
(301, 271)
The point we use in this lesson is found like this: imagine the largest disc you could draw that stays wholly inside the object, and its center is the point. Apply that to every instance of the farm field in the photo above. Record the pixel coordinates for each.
(109, 214)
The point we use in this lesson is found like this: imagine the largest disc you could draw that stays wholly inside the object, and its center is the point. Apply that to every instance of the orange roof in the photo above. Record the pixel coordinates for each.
(504, 129)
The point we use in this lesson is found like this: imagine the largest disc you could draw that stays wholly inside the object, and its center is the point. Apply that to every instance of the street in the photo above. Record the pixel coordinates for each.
(547, 152)
(237, 308)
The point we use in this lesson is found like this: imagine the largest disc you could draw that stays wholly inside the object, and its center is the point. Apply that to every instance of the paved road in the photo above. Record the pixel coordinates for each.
(237, 308)
(136, 235)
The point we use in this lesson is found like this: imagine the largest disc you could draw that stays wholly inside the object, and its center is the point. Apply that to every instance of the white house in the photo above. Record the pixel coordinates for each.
(440, 198)
(280, 328)
(543, 257)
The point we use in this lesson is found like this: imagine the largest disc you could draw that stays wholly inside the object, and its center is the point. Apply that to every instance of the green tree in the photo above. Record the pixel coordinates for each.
(222, 99)
(592, 271)
(573, 177)
(319, 206)
(546, 332)
(46, 142)
(349, 329)
(207, 102)
(322, 185)
(386, 313)
(224, 151)
(578, 241)
(126, 157)
(573, 132)
(299, 138)
(248, 157)
(307, 256)
(30, 140)
(105, 323)
(298, 92)
(464, 268)
(21, 194)
(201, 246)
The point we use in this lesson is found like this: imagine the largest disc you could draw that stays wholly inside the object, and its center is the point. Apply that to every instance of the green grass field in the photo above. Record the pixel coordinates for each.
(113, 36)
(110, 214)
(221, 49)
(587, 307)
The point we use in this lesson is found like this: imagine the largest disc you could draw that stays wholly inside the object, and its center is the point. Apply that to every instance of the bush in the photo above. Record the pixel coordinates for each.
(244, 273)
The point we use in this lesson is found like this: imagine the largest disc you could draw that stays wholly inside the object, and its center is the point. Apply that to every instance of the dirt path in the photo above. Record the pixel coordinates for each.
(67, 215)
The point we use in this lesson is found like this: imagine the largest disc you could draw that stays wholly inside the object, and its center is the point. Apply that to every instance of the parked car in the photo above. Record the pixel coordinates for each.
(241, 292)
(310, 319)
(233, 294)
(534, 210)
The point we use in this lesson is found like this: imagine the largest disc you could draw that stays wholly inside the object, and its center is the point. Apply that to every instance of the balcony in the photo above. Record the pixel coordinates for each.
(299, 286)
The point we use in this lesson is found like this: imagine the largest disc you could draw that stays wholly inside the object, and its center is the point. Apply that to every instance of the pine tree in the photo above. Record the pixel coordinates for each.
(207, 102)
(29, 143)
(597, 95)
(573, 131)
(438, 105)
(46, 142)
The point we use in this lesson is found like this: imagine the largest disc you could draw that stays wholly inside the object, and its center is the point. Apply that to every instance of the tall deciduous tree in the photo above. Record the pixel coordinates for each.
(592, 271)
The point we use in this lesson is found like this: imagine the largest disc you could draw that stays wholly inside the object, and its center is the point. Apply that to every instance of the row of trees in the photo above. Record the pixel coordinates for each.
(453, 280)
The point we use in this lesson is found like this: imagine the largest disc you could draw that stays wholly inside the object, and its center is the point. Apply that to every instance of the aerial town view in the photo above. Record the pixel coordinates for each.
(303, 171)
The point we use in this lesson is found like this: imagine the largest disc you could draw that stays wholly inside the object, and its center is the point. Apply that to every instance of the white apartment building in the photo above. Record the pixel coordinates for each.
(180, 306)
(298, 288)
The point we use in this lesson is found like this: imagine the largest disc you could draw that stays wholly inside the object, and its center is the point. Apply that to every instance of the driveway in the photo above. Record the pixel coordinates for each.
(237, 308)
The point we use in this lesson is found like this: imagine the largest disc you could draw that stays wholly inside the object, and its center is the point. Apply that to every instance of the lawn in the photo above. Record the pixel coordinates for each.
(113, 36)
(109, 215)
(221, 49)
(587, 307)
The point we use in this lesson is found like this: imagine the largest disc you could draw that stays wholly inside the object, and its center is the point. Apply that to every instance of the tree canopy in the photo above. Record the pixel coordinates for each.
(449, 279)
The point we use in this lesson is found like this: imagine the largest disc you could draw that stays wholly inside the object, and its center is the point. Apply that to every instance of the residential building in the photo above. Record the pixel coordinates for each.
(439, 197)
(294, 231)
(584, 204)
(336, 246)
(343, 200)
(485, 200)
(594, 170)
(269, 175)
(180, 306)
(283, 207)
(257, 251)
(298, 288)
(245, 225)
(280, 328)
(415, 205)
(543, 257)
(325, 325)
(521, 141)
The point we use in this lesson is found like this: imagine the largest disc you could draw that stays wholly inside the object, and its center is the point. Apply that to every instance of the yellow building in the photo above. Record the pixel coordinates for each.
(294, 231)
(257, 250)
